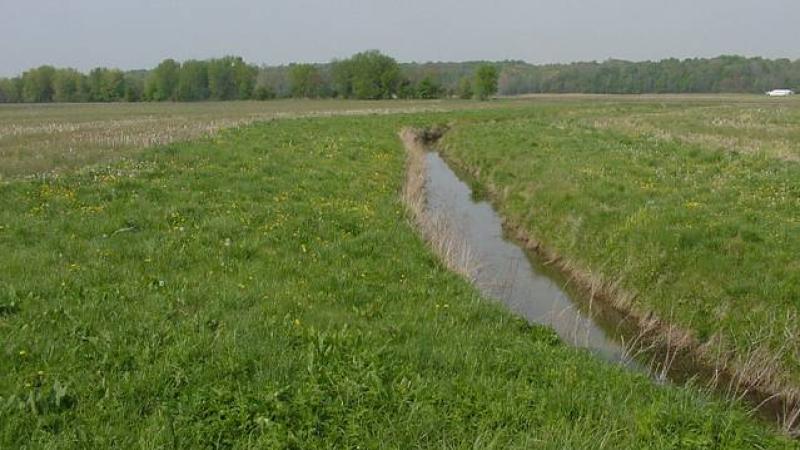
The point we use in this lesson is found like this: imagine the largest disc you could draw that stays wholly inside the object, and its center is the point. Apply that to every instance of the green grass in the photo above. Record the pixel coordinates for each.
(769, 128)
(37, 138)
(43, 138)
(703, 233)
(263, 288)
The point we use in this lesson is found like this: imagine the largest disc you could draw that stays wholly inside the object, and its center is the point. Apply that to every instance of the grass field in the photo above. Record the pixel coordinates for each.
(45, 138)
(688, 211)
(263, 287)
(53, 137)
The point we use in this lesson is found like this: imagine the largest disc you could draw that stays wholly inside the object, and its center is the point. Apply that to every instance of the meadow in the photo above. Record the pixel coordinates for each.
(685, 215)
(264, 287)
(42, 138)
(37, 139)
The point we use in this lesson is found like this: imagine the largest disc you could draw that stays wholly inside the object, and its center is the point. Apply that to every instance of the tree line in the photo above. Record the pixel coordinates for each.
(723, 74)
(228, 78)
(373, 75)
(365, 75)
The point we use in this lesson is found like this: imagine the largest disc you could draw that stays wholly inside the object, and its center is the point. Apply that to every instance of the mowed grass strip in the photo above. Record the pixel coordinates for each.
(264, 289)
(704, 236)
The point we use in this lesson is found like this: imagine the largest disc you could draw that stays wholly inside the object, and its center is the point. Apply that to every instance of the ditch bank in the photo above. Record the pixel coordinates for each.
(505, 263)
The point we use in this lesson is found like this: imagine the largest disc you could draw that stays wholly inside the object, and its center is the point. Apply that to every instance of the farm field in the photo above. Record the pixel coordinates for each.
(263, 286)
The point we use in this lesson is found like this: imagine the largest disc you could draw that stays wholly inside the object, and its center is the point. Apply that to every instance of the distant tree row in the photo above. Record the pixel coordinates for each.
(373, 75)
(48, 84)
(228, 78)
(368, 75)
(724, 74)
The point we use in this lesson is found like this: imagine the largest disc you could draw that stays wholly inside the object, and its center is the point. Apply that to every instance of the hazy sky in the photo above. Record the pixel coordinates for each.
(139, 33)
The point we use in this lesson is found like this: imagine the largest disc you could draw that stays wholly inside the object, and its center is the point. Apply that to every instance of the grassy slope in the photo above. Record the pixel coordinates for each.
(264, 288)
(706, 237)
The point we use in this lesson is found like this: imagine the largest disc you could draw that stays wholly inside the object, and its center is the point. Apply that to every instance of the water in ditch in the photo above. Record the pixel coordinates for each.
(508, 273)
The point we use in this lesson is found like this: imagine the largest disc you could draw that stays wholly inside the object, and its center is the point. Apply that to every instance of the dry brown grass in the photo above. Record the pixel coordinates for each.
(755, 128)
(438, 232)
(57, 137)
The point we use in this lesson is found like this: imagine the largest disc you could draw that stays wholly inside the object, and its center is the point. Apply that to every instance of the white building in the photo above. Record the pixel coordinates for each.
(780, 93)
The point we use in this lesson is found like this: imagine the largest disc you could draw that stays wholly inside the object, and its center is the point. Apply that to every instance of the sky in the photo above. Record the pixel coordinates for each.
(132, 34)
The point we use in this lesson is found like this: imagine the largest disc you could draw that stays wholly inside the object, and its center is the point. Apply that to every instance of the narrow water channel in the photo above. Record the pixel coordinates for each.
(508, 273)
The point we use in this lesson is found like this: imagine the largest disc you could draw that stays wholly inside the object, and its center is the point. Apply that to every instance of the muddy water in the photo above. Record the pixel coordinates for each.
(511, 275)
(506, 272)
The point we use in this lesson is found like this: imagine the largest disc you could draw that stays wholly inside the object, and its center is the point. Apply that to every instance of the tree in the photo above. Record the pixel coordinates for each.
(230, 78)
(305, 80)
(94, 85)
(486, 81)
(221, 82)
(263, 92)
(37, 84)
(342, 75)
(134, 85)
(193, 81)
(428, 88)
(367, 75)
(106, 85)
(276, 79)
(406, 89)
(10, 90)
(69, 85)
(245, 79)
(265, 87)
(465, 89)
(114, 85)
(163, 81)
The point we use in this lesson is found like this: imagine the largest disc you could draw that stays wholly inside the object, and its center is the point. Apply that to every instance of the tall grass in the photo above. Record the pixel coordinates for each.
(438, 231)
